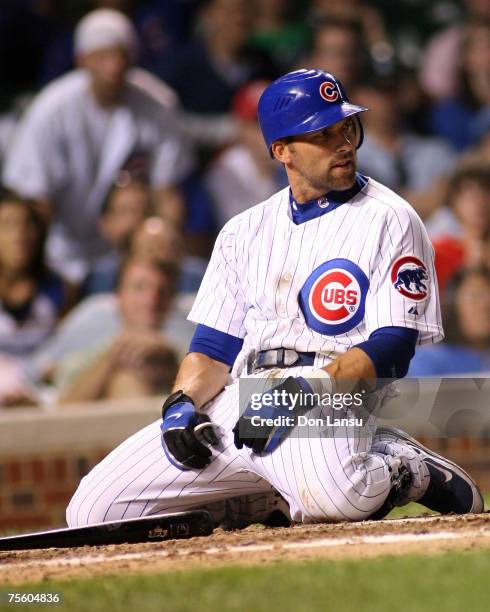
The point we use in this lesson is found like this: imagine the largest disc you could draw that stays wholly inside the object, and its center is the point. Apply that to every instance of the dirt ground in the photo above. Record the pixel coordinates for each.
(428, 535)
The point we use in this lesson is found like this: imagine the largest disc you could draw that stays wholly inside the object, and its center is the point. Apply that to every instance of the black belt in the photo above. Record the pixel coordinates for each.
(279, 358)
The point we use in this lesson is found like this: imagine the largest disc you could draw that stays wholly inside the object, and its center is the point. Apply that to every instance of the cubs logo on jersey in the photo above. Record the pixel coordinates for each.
(333, 297)
(410, 278)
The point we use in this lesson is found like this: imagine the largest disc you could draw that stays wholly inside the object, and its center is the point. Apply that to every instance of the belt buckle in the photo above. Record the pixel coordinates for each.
(290, 357)
(279, 357)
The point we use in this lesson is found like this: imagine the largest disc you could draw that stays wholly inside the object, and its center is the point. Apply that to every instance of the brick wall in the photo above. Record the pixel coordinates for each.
(35, 489)
(43, 456)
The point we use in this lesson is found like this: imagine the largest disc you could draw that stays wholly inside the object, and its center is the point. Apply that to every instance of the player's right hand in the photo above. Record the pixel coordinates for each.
(186, 434)
(255, 427)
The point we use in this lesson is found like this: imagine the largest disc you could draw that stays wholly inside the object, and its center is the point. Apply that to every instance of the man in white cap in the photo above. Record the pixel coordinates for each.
(88, 125)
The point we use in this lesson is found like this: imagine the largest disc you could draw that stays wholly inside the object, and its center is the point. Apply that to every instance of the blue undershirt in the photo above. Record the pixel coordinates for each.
(389, 348)
(320, 206)
(216, 344)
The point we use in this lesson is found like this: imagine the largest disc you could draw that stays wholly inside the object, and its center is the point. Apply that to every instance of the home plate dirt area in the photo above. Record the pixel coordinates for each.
(256, 544)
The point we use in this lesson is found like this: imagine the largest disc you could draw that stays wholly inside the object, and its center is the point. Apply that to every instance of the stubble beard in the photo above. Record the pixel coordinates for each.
(336, 183)
(310, 184)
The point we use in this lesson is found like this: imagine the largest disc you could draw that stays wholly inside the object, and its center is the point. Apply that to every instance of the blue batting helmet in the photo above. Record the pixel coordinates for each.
(304, 101)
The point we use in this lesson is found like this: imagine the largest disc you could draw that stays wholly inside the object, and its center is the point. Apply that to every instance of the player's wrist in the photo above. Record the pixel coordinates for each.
(317, 381)
(177, 397)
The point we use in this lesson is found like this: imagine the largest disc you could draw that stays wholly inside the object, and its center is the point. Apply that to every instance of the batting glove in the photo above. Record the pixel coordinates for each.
(267, 420)
(185, 433)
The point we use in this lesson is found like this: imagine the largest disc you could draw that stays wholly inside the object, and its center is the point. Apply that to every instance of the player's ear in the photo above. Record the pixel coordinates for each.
(280, 151)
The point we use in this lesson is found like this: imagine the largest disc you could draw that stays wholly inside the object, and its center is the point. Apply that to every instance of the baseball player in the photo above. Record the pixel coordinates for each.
(325, 288)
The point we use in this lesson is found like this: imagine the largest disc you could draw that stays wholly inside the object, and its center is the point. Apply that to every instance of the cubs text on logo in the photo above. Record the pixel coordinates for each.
(333, 297)
(328, 91)
(410, 278)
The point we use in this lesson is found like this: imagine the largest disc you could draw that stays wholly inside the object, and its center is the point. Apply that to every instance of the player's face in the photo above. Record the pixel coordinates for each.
(321, 161)
(144, 296)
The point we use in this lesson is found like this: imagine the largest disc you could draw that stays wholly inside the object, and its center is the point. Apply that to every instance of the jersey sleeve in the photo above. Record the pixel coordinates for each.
(173, 159)
(403, 287)
(220, 302)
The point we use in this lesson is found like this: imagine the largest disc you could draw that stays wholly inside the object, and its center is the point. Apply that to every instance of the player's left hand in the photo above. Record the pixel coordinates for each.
(186, 434)
(282, 404)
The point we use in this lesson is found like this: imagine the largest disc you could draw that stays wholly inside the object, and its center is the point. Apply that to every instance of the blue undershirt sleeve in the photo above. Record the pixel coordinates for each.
(216, 344)
(390, 349)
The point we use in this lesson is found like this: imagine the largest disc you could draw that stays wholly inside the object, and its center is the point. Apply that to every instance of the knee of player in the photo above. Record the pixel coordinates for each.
(351, 494)
(317, 504)
(346, 505)
(322, 509)
(364, 489)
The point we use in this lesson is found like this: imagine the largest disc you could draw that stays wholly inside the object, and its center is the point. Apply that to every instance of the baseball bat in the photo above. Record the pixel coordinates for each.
(131, 531)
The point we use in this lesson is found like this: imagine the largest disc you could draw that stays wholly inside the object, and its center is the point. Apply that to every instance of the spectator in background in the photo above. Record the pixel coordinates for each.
(370, 27)
(244, 173)
(32, 297)
(338, 47)
(83, 128)
(413, 102)
(127, 205)
(97, 319)
(208, 71)
(468, 201)
(480, 152)
(154, 238)
(466, 316)
(415, 166)
(142, 303)
(136, 359)
(441, 60)
(463, 119)
(161, 26)
(160, 240)
(279, 31)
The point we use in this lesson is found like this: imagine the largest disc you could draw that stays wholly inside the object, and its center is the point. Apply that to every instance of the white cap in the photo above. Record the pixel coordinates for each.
(103, 29)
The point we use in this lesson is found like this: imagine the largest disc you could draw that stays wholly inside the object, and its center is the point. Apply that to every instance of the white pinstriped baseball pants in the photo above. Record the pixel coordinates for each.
(323, 479)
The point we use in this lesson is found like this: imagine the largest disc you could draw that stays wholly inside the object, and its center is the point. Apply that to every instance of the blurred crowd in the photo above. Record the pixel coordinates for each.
(129, 136)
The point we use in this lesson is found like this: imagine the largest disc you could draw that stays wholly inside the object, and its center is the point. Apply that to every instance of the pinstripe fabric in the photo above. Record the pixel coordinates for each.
(321, 478)
(260, 262)
(262, 259)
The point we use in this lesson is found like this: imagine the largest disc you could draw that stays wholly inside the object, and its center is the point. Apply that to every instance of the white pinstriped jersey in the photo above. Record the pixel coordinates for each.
(325, 284)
